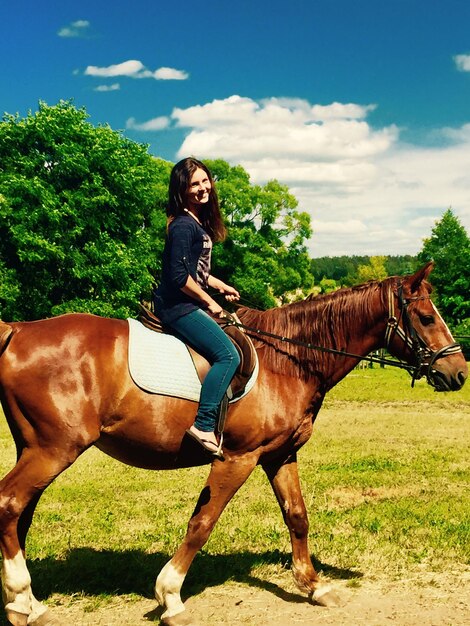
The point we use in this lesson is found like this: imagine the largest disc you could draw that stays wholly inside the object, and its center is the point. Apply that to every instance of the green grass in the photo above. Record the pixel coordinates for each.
(385, 478)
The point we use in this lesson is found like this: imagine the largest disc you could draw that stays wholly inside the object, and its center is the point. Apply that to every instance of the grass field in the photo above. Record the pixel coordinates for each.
(385, 478)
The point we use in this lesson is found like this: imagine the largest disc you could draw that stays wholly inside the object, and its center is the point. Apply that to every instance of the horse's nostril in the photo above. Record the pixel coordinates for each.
(461, 377)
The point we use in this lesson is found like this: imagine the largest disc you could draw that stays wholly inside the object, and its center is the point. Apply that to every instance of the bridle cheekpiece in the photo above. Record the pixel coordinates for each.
(424, 356)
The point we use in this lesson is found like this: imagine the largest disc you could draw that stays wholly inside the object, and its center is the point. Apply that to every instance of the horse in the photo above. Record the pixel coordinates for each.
(65, 386)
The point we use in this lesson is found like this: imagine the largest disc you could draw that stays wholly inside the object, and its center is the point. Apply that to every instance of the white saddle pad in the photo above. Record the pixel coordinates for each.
(162, 364)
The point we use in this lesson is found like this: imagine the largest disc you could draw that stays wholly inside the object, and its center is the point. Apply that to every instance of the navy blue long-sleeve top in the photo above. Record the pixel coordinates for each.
(187, 252)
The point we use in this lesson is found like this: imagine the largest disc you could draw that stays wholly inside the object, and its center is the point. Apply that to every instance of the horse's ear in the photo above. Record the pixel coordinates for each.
(417, 278)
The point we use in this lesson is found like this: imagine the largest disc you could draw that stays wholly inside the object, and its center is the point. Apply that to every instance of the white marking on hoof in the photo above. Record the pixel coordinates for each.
(40, 614)
(17, 619)
(178, 620)
(326, 596)
(167, 591)
(16, 583)
(45, 619)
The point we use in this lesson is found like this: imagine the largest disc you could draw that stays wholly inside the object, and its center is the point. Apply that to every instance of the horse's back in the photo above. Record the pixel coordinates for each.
(54, 343)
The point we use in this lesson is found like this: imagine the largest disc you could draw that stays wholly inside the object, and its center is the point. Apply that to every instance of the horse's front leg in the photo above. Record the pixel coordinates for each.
(284, 479)
(224, 480)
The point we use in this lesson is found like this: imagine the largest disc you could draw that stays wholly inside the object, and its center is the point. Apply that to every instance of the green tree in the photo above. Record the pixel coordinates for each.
(449, 247)
(375, 270)
(82, 222)
(401, 265)
(78, 226)
(344, 269)
(265, 254)
(327, 285)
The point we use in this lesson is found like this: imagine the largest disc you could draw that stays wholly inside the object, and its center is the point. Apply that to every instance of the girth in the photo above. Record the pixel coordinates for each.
(239, 338)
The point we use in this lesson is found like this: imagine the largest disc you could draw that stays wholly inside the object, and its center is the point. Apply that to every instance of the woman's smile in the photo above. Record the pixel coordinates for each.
(199, 188)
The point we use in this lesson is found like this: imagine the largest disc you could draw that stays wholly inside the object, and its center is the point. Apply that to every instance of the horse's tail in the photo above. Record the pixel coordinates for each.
(6, 333)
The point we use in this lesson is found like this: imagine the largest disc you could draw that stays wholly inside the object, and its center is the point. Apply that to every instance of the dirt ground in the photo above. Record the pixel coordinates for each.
(426, 600)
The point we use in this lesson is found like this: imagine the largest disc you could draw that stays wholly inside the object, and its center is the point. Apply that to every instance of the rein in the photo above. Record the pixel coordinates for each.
(425, 357)
(311, 346)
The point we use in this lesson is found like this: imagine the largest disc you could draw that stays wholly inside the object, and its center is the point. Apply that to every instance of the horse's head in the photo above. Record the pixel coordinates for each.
(417, 333)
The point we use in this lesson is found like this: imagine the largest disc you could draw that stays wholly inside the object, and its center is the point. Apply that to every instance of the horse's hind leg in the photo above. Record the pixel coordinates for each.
(223, 482)
(19, 493)
(284, 479)
(40, 615)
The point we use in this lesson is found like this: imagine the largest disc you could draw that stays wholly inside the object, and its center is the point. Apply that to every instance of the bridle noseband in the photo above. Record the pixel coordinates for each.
(424, 356)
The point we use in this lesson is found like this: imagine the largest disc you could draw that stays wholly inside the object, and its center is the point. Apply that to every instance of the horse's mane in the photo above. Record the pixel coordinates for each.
(324, 320)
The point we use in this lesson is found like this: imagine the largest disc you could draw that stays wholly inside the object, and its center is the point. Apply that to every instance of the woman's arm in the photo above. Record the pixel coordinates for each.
(229, 292)
(192, 289)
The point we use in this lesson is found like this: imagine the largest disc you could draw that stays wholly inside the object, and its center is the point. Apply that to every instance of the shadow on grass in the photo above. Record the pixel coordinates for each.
(95, 573)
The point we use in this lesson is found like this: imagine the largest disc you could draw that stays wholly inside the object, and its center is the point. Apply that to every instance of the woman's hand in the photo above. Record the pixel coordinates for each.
(230, 293)
(215, 309)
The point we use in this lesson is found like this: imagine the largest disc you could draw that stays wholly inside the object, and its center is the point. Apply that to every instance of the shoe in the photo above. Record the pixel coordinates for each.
(209, 446)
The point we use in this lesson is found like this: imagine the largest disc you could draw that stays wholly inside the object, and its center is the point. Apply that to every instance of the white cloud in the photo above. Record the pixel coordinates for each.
(243, 129)
(286, 136)
(458, 135)
(157, 123)
(462, 62)
(217, 113)
(104, 88)
(349, 227)
(79, 28)
(135, 69)
(410, 189)
(341, 111)
(366, 191)
(169, 73)
(127, 68)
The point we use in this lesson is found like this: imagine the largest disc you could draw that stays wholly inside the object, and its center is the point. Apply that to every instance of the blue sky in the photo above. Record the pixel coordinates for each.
(362, 108)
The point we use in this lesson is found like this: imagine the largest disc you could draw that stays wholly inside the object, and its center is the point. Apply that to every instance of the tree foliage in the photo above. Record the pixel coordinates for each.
(264, 255)
(449, 248)
(82, 226)
(374, 270)
(345, 270)
(77, 216)
(82, 221)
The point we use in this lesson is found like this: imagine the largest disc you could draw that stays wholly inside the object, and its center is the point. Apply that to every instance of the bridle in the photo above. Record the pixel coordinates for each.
(423, 355)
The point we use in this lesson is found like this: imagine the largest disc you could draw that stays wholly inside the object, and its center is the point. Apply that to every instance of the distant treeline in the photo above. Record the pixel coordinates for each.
(344, 270)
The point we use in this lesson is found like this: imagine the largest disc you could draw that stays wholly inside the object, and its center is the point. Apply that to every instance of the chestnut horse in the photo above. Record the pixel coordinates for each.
(65, 386)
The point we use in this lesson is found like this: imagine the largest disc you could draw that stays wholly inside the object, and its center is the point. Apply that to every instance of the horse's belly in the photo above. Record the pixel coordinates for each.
(138, 454)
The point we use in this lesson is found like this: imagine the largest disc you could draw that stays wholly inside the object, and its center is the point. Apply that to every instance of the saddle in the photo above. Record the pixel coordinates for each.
(240, 340)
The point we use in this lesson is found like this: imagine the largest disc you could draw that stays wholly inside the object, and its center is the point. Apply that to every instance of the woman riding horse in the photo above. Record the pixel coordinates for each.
(65, 386)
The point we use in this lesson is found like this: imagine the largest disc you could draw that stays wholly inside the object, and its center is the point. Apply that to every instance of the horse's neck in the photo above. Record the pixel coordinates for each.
(358, 327)
(350, 320)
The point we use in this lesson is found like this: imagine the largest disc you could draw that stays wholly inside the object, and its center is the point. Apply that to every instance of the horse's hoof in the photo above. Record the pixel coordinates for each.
(325, 596)
(180, 619)
(45, 619)
(17, 619)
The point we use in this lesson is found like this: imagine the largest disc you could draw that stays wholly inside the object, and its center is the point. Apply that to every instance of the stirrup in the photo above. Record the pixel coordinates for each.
(221, 443)
(223, 408)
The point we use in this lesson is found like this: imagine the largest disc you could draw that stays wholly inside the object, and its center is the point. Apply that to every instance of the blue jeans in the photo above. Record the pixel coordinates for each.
(203, 334)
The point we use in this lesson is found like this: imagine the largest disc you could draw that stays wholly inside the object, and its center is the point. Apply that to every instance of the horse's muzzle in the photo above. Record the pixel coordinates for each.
(443, 380)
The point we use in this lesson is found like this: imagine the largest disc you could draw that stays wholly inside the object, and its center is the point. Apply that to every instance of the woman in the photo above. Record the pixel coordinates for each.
(182, 301)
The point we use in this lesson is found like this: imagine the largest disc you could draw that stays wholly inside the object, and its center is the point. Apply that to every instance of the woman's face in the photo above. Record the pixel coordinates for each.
(199, 189)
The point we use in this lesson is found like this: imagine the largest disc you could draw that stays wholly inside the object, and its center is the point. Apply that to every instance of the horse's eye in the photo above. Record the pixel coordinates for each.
(426, 320)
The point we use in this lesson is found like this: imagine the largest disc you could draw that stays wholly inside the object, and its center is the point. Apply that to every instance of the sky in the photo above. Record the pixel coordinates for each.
(362, 108)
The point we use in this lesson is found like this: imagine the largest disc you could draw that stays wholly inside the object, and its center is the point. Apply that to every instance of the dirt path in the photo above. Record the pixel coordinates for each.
(424, 601)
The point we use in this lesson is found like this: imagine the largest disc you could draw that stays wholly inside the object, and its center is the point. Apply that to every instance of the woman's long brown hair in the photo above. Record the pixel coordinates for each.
(210, 215)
